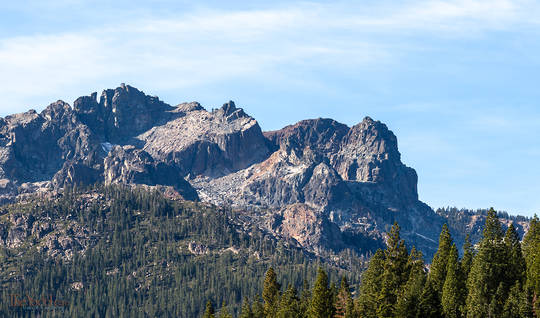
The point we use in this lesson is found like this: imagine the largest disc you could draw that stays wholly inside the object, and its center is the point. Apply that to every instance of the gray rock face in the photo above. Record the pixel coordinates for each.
(348, 178)
(320, 183)
(207, 143)
(159, 144)
(121, 113)
(128, 165)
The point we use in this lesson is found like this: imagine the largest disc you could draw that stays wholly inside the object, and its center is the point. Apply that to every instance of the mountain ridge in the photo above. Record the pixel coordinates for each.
(320, 183)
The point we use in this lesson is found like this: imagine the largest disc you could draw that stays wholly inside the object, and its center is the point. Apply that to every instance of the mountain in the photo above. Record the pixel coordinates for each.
(320, 185)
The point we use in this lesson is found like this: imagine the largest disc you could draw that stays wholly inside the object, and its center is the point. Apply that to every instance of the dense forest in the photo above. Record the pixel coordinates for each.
(147, 256)
(499, 277)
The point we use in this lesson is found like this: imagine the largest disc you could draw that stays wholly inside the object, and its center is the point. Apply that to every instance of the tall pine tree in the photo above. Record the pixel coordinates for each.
(366, 303)
(407, 305)
(487, 271)
(321, 298)
(453, 293)
(466, 260)
(531, 249)
(395, 273)
(516, 267)
(437, 271)
(270, 293)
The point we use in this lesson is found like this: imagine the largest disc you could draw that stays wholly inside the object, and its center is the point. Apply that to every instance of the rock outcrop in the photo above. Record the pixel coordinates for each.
(128, 165)
(349, 178)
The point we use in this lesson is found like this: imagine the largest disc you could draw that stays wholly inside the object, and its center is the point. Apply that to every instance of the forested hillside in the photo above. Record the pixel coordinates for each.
(120, 251)
(500, 277)
(117, 252)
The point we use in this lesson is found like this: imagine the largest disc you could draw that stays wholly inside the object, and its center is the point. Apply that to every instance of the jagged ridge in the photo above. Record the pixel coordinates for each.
(321, 183)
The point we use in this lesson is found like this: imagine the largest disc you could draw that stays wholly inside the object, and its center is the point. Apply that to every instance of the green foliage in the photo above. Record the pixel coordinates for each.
(437, 272)
(289, 306)
(367, 302)
(531, 249)
(224, 312)
(497, 266)
(270, 293)
(154, 257)
(209, 311)
(138, 262)
(466, 260)
(407, 305)
(395, 273)
(453, 298)
(516, 268)
(246, 311)
(321, 305)
(258, 309)
(515, 305)
(430, 305)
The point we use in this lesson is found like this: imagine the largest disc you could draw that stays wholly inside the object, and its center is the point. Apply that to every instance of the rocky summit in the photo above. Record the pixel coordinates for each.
(318, 184)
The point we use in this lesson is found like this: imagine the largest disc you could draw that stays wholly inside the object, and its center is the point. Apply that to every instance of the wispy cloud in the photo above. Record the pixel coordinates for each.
(205, 46)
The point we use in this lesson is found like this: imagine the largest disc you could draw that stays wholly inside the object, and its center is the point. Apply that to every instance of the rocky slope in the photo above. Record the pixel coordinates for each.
(318, 183)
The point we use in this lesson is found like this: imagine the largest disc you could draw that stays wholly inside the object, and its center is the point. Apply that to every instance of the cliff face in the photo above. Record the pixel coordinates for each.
(345, 186)
(318, 183)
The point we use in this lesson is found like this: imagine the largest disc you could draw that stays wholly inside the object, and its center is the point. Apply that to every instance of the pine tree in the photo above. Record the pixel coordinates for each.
(531, 250)
(321, 299)
(344, 303)
(407, 305)
(516, 270)
(429, 305)
(289, 306)
(209, 311)
(437, 271)
(224, 312)
(466, 260)
(258, 309)
(270, 293)
(246, 311)
(370, 288)
(487, 271)
(496, 306)
(453, 290)
(305, 297)
(513, 305)
(395, 273)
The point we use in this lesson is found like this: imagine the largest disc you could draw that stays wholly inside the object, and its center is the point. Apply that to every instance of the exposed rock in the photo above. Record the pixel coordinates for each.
(207, 143)
(197, 249)
(121, 113)
(129, 165)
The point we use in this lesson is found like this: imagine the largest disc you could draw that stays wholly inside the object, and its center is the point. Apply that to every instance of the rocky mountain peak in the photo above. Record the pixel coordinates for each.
(228, 108)
(320, 134)
(348, 183)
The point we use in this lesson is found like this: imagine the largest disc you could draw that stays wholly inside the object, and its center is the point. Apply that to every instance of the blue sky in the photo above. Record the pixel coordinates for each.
(457, 81)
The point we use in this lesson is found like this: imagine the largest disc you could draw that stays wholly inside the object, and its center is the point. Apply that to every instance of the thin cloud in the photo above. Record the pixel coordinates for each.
(208, 46)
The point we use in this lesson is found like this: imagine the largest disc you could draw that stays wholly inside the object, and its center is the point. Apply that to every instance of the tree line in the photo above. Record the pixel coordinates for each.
(498, 277)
